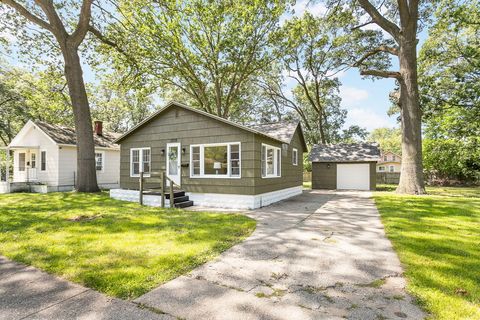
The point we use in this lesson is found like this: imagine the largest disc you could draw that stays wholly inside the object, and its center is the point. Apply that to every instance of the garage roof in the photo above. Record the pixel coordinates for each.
(356, 152)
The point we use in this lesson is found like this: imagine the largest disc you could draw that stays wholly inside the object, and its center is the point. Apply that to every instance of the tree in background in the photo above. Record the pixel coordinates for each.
(62, 27)
(39, 96)
(389, 139)
(208, 52)
(118, 105)
(311, 52)
(450, 91)
(400, 21)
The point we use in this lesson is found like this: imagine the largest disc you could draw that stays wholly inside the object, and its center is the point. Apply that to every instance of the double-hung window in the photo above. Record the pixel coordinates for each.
(295, 157)
(139, 161)
(271, 161)
(99, 161)
(219, 160)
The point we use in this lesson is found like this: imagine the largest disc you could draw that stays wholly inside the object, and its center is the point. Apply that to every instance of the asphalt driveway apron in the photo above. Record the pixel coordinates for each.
(321, 255)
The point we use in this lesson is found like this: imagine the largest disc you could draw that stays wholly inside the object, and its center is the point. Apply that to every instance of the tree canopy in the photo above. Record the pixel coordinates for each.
(450, 91)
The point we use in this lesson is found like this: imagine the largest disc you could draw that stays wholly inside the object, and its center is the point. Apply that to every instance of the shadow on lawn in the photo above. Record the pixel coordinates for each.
(437, 239)
(126, 251)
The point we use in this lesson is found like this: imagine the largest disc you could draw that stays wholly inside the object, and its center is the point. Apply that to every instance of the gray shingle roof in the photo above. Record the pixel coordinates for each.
(282, 130)
(344, 152)
(66, 135)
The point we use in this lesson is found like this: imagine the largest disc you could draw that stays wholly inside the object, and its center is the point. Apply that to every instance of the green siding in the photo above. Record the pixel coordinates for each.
(292, 176)
(187, 127)
(324, 175)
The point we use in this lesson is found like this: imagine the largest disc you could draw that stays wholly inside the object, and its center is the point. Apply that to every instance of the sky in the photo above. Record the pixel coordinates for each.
(366, 100)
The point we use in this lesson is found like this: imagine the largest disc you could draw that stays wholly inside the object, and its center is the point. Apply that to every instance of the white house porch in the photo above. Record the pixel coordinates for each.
(23, 172)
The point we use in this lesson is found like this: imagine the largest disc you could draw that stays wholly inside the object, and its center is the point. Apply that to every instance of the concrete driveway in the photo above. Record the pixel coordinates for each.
(321, 255)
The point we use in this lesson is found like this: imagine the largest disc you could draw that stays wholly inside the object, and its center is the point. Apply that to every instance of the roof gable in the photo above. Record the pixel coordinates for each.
(26, 129)
(345, 152)
(284, 137)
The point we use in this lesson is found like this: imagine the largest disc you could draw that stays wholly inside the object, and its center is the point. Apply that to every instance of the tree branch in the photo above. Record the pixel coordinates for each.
(83, 23)
(382, 74)
(26, 14)
(391, 50)
(362, 25)
(377, 17)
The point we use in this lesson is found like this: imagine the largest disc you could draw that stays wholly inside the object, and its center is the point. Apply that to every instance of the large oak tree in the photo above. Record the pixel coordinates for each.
(400, 21)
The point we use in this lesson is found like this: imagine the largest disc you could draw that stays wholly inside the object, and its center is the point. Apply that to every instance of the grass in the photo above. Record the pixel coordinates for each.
(116, 247)
(307, 184)
(437, 238)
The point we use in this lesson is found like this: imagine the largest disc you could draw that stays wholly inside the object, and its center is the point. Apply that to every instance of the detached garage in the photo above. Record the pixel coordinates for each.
(344, 166)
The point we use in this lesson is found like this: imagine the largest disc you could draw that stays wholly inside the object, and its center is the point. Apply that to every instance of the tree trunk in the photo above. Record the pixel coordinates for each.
(86, 180)
(411, 177)
(320, 127)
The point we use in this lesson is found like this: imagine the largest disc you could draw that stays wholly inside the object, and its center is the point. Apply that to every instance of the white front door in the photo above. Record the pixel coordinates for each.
(173, 157)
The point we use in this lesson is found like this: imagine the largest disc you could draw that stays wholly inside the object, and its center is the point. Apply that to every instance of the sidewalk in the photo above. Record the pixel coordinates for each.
(28, 293)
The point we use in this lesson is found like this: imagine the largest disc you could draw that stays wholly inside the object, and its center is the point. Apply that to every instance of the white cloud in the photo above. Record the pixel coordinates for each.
(352, 97)
(367, 118)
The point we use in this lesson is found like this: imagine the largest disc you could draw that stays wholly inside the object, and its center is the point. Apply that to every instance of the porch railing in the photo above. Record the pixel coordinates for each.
(160, 178)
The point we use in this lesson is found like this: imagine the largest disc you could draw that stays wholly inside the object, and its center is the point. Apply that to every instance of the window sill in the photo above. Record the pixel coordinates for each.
(214, 177)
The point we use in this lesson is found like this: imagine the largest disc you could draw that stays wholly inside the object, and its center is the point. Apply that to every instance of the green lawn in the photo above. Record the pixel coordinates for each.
(307, 184)
(116, 247)
(437, 238)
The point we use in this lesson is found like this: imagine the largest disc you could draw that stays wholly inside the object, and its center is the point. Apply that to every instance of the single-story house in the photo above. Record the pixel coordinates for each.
(344, 166)
(45, 157)
(217, 162)
(389, 162)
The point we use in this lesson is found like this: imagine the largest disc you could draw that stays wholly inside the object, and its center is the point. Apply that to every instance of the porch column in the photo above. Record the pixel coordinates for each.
(7, 165)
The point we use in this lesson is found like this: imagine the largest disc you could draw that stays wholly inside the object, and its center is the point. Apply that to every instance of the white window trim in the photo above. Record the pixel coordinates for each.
(140, 158)
(40, 158)
(391, 168)
(103, 161)
(24, 161)
(275, 166)
(229, 164)
(295, 157)
(381, 168)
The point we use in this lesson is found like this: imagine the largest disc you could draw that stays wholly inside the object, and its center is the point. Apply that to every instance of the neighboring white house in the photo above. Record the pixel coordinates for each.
(46, 154)
(389, 162)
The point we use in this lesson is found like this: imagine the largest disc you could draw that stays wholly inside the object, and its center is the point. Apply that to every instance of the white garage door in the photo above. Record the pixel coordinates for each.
(353, 176)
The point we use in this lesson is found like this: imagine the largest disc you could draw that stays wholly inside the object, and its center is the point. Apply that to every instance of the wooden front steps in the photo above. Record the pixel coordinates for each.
(180, 200)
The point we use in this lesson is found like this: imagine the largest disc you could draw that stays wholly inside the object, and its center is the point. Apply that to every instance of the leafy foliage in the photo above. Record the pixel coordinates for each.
(450, 91)
(389, 139)
(207, 52)
(311, 51)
